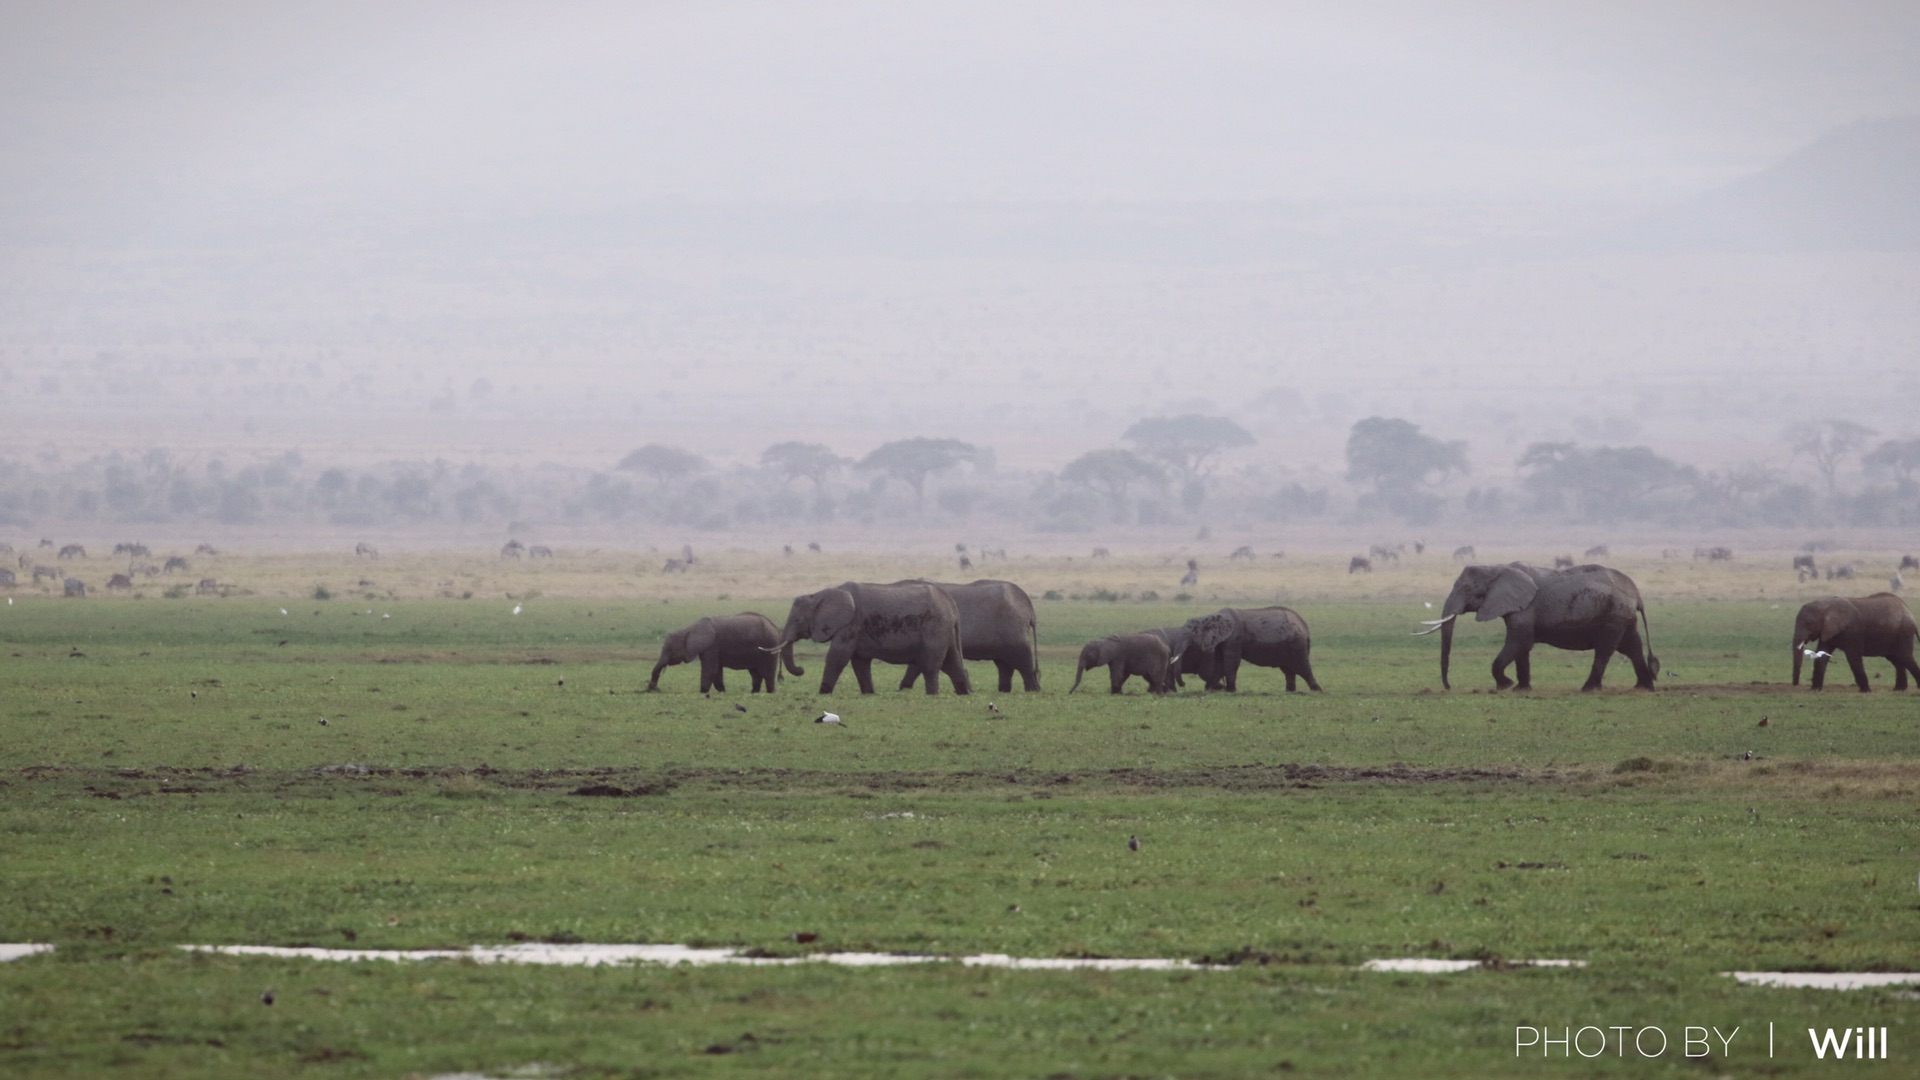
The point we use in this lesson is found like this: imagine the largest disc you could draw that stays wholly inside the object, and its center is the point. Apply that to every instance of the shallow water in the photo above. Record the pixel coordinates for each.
(1826, 980)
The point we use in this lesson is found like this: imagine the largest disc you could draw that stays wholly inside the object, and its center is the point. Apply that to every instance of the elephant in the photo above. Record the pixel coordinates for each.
(996, 623)
(1878, 625)
(1267, 637)
(1585, 607)
(1127, 655)
(1176, 638)
(720, 642)
(904, 623)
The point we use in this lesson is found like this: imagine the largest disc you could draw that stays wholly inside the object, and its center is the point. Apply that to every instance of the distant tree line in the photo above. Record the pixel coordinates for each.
(1165, 471)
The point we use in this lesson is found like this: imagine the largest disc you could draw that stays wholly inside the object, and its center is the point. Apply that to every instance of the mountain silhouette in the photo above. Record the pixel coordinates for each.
(1853, 189)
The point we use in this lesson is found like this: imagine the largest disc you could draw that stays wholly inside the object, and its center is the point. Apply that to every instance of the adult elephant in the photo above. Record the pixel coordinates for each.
(1580, 608)
(909, 622)
(996, 623)
(1266, 637)
(1878, 625)
(1125, 656)
(719, 642)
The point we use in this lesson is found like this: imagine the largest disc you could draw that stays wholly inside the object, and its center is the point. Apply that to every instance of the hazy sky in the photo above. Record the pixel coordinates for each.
(165, 108)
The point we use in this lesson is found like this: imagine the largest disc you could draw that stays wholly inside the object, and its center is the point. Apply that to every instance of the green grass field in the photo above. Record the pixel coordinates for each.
(485, 778)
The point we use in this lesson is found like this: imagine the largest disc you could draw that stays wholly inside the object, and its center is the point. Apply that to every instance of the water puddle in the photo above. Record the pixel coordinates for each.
(15, 952)
(597, 955)
(1426, 966)
(1826, 980)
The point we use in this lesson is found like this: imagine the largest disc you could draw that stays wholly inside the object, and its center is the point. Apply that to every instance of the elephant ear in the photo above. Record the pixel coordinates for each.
(832, 613)
(700, 637)
(1208, 631)
(1836, 620)
(1511, 591)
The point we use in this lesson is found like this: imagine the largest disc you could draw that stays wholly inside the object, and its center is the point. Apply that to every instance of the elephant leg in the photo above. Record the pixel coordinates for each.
(719, 679)
(1819, 670)
(1117, 675)
(1507, 654)
(1292, 686)
(1602, 653)
(709, 673)
(956, 669)
(1306, 672)
(1006, 675)
(913, 672)
(1859, 665)
(830, 671)
(1902, 664)
(863, 671)
(1636, 653)
(1523, 669)
(1030, 673)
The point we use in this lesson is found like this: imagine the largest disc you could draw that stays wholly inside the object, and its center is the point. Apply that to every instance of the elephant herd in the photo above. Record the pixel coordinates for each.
(932, 628)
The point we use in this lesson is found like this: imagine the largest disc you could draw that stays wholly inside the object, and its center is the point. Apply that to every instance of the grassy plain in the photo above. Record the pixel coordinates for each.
(486, 777)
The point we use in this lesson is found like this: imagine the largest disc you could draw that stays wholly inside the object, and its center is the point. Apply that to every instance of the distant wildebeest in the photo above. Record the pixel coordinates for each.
(539, 551)
(1563, 562)
(1908, 562)
(45, 543)
(1242, 552)
(6, 577)
(365, 550)
(787, 550)
(1192, 576)
(1804, 565)
(812, 546)
(74, 587)
(44, 571)
(119, 581)
(1714, 554)
(207, 585)
(966, 563)
(175, 562)
(512, 549)
(1843, 572)
(686, 552)
(72, 551)
(1100, 553)
(132, 549)
(1384, 553)
(1597, 551)
(674, 566)
(205, 549)
(1464, 553)
(1359, 563)
(1419, 547)
(960, 549)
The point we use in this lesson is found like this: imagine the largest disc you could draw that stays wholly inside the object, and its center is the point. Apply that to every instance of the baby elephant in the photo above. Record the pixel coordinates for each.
(1126, 655)
(1862, 626)
(741, 642)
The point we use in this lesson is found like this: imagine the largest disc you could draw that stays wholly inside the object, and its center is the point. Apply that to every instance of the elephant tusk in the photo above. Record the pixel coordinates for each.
(1434, 624)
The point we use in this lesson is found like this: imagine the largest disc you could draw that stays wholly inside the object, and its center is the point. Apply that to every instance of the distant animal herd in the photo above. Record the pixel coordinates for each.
(932, 628)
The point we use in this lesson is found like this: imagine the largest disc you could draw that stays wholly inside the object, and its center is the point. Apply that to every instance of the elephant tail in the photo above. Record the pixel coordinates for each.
(1653, 662)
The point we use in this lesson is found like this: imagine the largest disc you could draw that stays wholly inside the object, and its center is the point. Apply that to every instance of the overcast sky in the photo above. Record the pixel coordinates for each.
(164, 108)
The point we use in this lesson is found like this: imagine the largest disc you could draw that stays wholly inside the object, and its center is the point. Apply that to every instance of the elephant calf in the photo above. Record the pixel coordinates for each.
(1878, 625)
(1125, 656)
(745, 642)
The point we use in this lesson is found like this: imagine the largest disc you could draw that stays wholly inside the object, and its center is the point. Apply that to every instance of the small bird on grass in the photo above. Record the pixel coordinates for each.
(994, 709)
(1763, 722)
(323, 721)
(737, 707)
(266, 998)
(1133, 843)
(1817, 654)
(827, 718)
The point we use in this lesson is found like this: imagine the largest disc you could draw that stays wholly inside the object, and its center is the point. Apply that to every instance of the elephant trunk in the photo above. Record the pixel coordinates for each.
(1446, 652)
(1799, 643)
(658, 667)
(786, 657)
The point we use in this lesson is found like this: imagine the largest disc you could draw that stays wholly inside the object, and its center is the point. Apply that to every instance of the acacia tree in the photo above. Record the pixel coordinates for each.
(1607, 482)
(1897, 456)
(1826, 442)
(797, 459)
(1397, 459)
(663, 463)
(1185, 443)
(1112, 473)
(913, 460)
